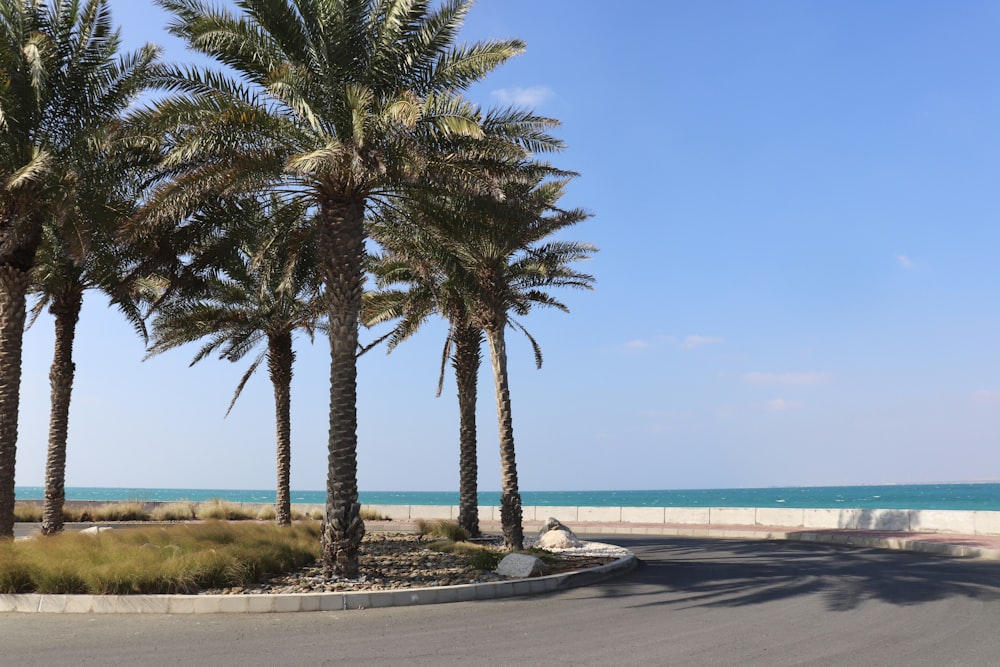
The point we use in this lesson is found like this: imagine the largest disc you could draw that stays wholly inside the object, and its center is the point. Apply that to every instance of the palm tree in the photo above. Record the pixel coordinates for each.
(426, 290)
(511, 267)
(481, 259)
(79, 251)
(343, 103)
(261, 287)
(415, 280)
(60, 83)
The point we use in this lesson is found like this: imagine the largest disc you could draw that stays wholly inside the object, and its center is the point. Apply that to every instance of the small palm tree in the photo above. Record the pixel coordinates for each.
(261, 287)
(481, 260)
(344, 103)
(60, 86)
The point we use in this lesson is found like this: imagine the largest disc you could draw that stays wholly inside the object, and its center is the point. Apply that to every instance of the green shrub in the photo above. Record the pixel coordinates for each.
(486, 559)
(479, 556)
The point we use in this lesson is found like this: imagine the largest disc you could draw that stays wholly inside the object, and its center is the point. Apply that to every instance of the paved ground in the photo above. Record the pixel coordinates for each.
(981, 546)
(695, 602)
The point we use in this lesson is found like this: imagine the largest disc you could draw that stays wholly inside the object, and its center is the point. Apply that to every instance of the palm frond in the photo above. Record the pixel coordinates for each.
(243, 381)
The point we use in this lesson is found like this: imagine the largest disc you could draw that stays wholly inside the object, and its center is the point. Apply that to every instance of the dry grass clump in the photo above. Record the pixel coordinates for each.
(223, 509)
(165, 559)
(447, 530)
(371, 514)
(267, 513)
(27, 512)
(123, 511)
(299, 515)
(184, 511)
(118, 511)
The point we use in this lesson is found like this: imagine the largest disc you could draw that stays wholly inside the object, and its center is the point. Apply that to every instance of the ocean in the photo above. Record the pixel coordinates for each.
(978, 496)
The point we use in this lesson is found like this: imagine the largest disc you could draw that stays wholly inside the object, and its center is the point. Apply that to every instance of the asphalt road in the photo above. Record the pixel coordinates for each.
(694, 602)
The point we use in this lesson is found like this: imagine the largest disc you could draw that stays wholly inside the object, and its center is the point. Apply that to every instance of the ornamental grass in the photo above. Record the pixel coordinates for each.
(223, 509)
(446, 530)
(155, 560)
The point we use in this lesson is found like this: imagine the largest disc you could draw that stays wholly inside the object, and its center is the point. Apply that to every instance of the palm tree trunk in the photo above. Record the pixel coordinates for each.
(66, 309)
(466, 362)
(510, 498)
(280, 357)
(13, 288)
(341, 246)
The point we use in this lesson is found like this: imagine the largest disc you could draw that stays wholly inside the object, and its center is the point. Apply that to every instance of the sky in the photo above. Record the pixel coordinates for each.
(796, 207)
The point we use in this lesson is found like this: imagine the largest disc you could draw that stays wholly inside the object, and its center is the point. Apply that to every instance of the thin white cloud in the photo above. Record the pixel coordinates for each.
(781, 405)
(694, 342)
(986, 397)
(786, 378)
(904, 261)
(637, 345)
(523, 97)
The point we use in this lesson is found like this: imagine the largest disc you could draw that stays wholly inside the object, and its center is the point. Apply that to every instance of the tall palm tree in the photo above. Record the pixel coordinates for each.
(425, 289)
(80, 250)
(344, 103)
(261, 288)
(483, 259)
(512, 267)
(60, 83)
(415, 280)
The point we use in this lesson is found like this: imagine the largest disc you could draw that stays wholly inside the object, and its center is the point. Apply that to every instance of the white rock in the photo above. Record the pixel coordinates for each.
(520, 566)
(95, 530)
(557, 539)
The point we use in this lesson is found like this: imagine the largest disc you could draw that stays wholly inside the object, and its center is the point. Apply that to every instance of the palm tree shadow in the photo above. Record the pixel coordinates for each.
(689, 572)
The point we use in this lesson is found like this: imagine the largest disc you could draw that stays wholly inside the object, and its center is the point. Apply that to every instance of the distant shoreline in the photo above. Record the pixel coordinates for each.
(957, 496)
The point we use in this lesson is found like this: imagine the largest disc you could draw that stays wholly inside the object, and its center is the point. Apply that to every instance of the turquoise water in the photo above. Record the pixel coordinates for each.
(898, 496)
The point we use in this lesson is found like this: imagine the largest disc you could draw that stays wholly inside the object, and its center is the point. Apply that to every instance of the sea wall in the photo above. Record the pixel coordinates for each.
(633, 518)
(939, 521)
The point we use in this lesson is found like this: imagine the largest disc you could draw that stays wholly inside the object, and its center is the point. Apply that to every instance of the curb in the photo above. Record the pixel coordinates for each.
(900, 541)
(897, 544)
(285, 602)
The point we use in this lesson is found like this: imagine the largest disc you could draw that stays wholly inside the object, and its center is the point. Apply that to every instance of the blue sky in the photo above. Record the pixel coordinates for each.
(796, 204)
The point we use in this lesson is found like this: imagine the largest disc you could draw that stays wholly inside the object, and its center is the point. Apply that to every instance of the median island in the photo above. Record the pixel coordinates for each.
(223, 555)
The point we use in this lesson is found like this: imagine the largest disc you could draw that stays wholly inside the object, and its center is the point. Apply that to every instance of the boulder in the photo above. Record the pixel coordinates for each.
(520, 566)
(558, 539)
(555, 535)
(95, 530)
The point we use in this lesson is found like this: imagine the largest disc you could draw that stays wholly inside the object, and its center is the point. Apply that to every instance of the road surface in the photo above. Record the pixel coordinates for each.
(693, 602)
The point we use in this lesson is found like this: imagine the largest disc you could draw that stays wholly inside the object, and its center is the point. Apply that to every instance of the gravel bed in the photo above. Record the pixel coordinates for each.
(399, 560)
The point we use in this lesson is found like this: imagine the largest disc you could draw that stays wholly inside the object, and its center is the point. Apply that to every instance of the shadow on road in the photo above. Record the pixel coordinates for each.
(714, 573)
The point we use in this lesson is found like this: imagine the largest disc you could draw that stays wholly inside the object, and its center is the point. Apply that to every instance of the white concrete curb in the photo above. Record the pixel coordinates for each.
(900, 543)
(289, 602)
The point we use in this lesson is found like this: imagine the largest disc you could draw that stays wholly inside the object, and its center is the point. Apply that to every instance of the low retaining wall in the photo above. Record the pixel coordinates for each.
(941, 521)
(913, 521)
